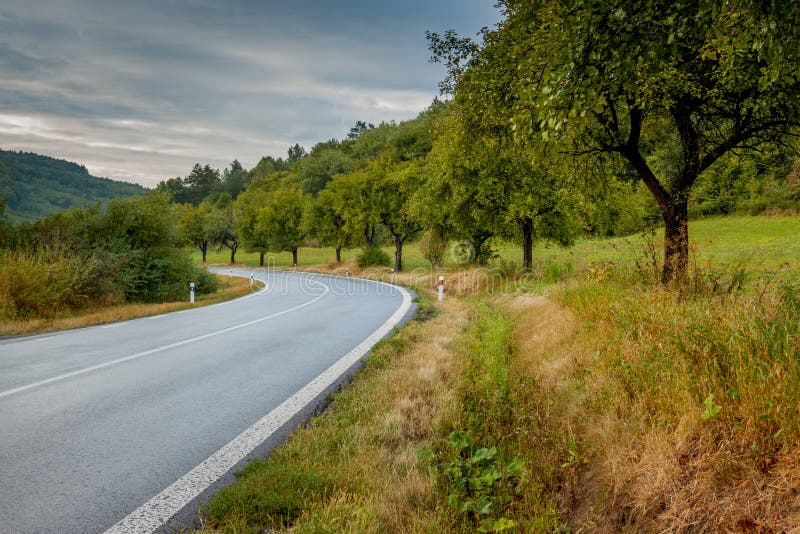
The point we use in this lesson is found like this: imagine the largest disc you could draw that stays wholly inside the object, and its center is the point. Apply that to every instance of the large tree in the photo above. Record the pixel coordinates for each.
(199, 183)
(280, 220)
(351, 198)
(194, 226)
(245, 217)
(394, 187)
(625, 78)
(234, 179)
(221, 225)
(322, 222)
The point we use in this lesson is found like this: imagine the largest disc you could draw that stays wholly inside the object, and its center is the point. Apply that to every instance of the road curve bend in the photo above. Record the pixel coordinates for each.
(125, 427)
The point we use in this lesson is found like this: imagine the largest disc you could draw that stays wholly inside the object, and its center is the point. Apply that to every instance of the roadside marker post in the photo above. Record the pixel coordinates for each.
(191, 292)
(230, 273)
(441, 287)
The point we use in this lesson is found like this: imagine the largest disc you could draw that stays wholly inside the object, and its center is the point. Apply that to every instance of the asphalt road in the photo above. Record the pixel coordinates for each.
(127, 425)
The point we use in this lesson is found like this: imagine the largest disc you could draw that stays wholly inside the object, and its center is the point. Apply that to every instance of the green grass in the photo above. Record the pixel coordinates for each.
(615, 403)
(762, 243)
(310, 256)
(767, 241)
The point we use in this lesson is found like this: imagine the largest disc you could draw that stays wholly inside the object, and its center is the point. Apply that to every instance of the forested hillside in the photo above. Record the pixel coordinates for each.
(35, 186)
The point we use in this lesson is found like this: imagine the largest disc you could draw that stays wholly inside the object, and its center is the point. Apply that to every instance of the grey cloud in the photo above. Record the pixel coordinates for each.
(145, 89)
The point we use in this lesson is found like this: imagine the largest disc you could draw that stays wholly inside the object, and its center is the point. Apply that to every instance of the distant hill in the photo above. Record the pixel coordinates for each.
(35, 186)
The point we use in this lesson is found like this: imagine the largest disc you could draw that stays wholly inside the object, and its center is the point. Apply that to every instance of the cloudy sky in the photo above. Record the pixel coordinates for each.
(142, 90)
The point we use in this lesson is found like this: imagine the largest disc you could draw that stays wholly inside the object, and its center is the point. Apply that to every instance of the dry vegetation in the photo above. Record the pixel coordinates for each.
(611, 404)
(362, 466)
(230, 288)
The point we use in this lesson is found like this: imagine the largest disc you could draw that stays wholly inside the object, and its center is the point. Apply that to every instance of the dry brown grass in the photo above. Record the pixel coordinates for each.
(647, 461)
(411, 398)
(230, 288)
(371, 439)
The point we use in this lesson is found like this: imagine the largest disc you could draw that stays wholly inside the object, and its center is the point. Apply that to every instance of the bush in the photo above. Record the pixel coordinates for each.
(373, 256)
(83, 258)
(434, 247)
(34, 285)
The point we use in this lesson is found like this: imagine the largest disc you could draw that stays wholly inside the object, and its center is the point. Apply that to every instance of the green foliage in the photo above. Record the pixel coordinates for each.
(83, 258)
(199, 184)
(668, 87)
(245, 215)
(323, 222)
(314, 171)
(234, 179)
(194, 226)
(710, 410)
(373, 257)
(434, 247)
(222, 228)
(35, 186)
(295, 153)
(751, 183)
(266, 168)
(474, 476)
(280, 219)
(270, 494)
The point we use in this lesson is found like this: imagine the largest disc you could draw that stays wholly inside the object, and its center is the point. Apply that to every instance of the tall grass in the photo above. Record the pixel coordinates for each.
(49, 282)
(614, 404)
(42, 283)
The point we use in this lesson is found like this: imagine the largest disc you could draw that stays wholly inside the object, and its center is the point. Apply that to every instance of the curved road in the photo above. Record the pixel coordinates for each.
(125, 426)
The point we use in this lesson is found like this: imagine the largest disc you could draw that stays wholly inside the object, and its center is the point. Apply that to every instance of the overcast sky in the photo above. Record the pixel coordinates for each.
(142, 90)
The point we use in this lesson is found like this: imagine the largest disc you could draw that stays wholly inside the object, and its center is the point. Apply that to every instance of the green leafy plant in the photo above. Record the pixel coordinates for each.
(372, 256)
(711, 409)
(477, 478)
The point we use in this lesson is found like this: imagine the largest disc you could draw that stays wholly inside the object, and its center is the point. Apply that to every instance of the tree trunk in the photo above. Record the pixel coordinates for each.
(478, 242)
(204, 249)
(527, 244)
(398, 253)
(233, 254)
(338, 254)
(294, 257)
(676, 238)
(674, 211)
(261, 259)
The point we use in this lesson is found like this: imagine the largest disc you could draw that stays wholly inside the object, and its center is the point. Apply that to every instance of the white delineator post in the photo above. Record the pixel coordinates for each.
(230, 273)
(191, 292)
(441, 287)
(252, 279)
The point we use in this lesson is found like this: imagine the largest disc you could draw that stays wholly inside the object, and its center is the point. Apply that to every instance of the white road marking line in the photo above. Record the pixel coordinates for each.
(157, 511)
(159, 349)
(28, 339)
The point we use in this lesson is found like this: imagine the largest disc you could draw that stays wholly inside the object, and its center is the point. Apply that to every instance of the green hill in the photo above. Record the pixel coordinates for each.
(35, 186)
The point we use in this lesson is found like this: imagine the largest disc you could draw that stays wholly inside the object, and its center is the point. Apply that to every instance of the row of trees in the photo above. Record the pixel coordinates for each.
(587, 117)
(665, 89)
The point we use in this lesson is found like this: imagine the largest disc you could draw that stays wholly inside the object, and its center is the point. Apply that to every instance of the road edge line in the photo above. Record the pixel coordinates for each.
(156, 512)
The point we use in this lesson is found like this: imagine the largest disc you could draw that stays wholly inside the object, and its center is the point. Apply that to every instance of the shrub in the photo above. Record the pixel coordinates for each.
(373, 256)
(434, 247)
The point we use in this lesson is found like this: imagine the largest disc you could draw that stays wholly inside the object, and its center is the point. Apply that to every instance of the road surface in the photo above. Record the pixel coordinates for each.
(125, 426)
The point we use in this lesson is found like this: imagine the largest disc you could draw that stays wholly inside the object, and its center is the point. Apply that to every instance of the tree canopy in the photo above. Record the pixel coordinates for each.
(624, 79)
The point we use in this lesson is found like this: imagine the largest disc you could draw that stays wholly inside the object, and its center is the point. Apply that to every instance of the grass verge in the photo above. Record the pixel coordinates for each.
(611, 405)
(230, 288)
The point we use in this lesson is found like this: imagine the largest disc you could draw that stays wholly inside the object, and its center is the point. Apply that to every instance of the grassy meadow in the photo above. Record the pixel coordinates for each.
(583, 397)
(760, 241)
